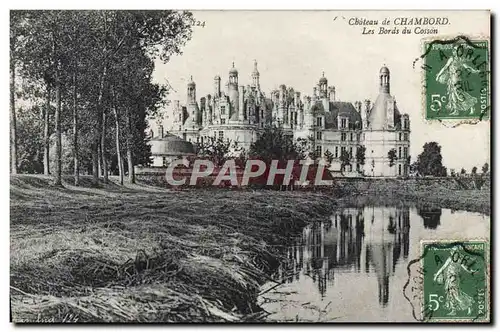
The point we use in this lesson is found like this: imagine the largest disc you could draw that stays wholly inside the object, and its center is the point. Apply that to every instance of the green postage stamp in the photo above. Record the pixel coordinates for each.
(456, 79)
(455, 281)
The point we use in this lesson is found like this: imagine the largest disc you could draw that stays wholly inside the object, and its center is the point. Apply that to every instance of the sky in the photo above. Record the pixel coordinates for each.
(295, 47)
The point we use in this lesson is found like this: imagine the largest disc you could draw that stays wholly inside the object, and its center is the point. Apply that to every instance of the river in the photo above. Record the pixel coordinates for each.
(353, 267)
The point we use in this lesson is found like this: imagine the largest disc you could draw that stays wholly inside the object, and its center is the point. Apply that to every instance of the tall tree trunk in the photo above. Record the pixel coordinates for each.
(46, 137)
(76, 159)
(117, 130)
(98, 130)
(57, 120)
(13, 137)
(99, 158)
(95, 164)
(103, 148)
(131, 173)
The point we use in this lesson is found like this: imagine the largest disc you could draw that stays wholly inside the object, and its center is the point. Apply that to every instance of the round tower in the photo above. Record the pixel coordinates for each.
(323, 86)
(233, 76)
(255, 76)
(233, 92)
(191, 91)
(385, 77)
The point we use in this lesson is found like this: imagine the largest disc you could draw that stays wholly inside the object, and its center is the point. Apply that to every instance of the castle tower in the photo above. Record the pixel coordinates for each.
(282, 104)
(233, 93)
(323, 87)
(191, 91)
(385, 77)
(193, 118)
(255, 77)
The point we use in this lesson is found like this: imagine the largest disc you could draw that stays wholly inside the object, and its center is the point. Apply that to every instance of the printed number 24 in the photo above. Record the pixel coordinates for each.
(434, 298)
(437, 102)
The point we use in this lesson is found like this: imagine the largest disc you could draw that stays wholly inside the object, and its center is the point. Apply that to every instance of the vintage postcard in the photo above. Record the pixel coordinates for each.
(250, 166)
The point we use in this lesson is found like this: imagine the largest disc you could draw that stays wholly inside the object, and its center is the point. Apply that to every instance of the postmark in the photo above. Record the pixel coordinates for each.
(456, 79)
(449, 282)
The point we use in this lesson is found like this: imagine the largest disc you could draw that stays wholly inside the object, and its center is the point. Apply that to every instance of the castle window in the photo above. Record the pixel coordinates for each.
(352, 137)
(399, 152)
(221, 134)
(164, 161)
(343, 123)
(406, 136)
(358, 137)
(400, 134)
(343, 136)
(319, 135)
(336, 152)
(223, 110)
(319, 121)
(406, 152)
(319, 151)
(399, 169)
(342, 150)
(222, 121)
(350, 151)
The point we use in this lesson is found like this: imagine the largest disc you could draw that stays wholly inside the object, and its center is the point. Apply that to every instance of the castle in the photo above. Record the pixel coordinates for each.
(335, 128)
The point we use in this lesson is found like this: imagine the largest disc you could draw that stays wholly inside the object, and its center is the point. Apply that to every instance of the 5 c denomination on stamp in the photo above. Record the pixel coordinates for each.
(455, 285)
(456, 79)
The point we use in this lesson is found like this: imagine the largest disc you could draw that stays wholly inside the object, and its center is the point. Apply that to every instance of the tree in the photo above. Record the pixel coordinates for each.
(273, 144)
(14, 35)
(474, 170)
(463, 171)
(328, 157)
(217, 150)
(345, 159)
(392, 157)
(485, 168)
(360, 155)
(74, 58)
(429, 162)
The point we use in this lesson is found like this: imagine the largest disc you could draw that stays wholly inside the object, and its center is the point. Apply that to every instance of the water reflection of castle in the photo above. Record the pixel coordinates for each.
(357, 240)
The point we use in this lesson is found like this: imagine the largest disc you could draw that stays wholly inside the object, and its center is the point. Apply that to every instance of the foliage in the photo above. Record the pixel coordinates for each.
(429, 162)
(29, 132)
(273, 144)
(463, 171)
(328, 156)
(345, 159)
(97, 62)
(218, 150)
(360, 154)
(485, 168)
(474, 170)
(392, 157)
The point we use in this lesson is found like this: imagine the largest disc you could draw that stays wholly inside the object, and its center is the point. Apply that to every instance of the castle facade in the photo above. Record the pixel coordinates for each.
(335, 129)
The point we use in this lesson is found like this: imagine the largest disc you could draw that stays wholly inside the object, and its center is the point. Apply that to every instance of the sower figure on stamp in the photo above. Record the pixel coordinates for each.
(450, 74)
(449, 274)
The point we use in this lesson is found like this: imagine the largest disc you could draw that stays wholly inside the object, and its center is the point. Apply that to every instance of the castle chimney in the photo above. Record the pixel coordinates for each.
(367, 105)
(358, 106)
(241, 106)
(160, 128)
(332, 93)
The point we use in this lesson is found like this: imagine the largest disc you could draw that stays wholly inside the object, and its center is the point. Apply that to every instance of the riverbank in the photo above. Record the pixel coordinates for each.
(146, 254)
(143, 253)
(440, 192)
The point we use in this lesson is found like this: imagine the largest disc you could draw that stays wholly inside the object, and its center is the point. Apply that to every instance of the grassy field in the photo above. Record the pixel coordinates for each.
(140, 253)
